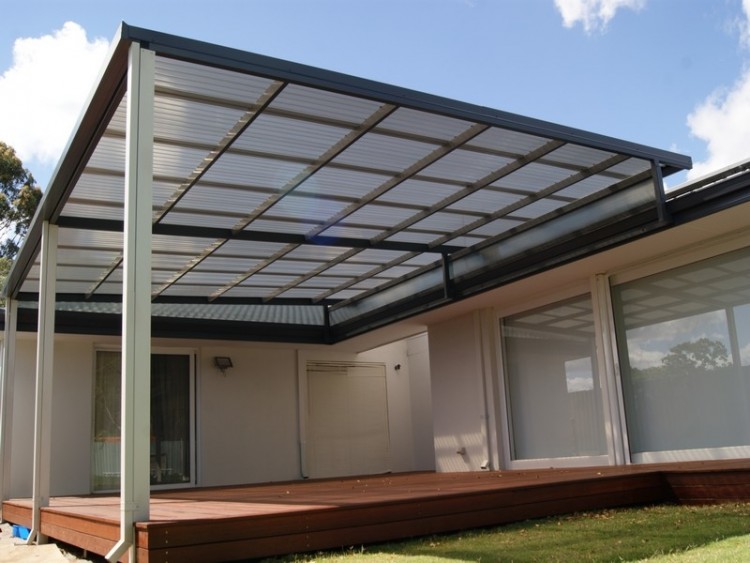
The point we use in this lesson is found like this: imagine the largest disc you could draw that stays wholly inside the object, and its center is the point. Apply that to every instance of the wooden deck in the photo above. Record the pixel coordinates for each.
(244, 522)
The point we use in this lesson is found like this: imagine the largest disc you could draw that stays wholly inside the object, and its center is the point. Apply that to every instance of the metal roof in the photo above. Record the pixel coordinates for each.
(358, 203)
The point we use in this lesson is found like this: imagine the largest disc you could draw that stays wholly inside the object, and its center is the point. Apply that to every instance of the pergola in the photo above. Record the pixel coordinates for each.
(210, 192)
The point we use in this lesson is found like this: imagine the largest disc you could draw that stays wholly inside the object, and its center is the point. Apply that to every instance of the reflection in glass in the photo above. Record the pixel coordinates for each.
(555, 400)
(170, 420)
(684, 341)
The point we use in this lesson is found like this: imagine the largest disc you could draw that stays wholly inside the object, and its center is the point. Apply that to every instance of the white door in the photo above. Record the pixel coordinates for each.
(347, 419)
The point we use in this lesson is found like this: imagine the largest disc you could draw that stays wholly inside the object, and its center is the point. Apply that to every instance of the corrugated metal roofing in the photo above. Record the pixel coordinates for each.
(274, 181)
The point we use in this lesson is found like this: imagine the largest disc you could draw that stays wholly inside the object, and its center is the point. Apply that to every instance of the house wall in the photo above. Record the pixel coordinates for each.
(458, 401)
(409, 402)
(469, 395)
(247, 421)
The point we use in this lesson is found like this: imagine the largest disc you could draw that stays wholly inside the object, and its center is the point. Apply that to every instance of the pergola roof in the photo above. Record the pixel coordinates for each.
(315, 202)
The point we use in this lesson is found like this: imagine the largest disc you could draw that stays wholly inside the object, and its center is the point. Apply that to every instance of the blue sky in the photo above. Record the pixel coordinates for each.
(666, 73)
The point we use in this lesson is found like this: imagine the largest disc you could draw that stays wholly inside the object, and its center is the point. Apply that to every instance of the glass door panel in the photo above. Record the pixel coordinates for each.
(171, 420)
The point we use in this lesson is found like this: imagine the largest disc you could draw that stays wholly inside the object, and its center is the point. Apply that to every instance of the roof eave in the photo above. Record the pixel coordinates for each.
(103, 99)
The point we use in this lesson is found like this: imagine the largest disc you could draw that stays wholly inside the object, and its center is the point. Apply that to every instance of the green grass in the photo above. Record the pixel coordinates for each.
(663, 534)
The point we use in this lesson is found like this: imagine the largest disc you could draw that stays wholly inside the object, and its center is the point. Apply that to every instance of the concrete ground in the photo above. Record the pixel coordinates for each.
(15, 550)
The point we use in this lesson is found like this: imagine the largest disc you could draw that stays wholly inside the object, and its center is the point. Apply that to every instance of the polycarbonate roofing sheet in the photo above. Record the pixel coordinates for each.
(317, 103)
(465, 166)
(297, 267)
(507, 141)
(277, 181)
(577, 156)
(379, 216)
(326, 282)
(342, 182)
(480, 201)
(203, 81)
(413, 122)
(281, 135)
(250, 170)
(539, 208)
(306, 208)
(386, 153)
(534, 178)
(220, 200)
(419, 192)
(176, 119)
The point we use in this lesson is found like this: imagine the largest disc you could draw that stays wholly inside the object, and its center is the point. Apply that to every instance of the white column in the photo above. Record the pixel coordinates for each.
(6, 397)
(44, 378)
(136, 302)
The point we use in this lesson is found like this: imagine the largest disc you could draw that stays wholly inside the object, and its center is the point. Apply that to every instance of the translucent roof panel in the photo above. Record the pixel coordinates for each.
(420, 193)
(385, 153)
(248, 170)
(465, 166)
(202, 81)
(177, 118)
(325, 104)
(343, 182)
(291, 137)
(274, 182)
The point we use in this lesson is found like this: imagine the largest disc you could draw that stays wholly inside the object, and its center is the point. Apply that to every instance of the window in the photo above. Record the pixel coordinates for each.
(171, 420)
(684, 340)
(555, 399)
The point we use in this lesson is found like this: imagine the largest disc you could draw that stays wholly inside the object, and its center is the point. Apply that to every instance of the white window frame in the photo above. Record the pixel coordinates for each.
(671, 260)
(576, 289)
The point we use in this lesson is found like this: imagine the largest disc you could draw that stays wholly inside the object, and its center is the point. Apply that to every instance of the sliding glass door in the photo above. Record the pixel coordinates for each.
(684, 341)
(171, 420)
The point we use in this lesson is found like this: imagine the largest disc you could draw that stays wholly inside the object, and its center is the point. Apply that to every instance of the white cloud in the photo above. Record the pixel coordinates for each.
(43, 92)
(594, 14)
(721, 119)
(647, 345)
(722, 122)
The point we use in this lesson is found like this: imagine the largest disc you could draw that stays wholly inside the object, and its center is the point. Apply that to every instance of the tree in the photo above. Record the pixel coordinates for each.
(703, 354)
(695, 357)
(19, 198)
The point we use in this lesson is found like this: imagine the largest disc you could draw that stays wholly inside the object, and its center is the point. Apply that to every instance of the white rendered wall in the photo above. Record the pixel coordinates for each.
(248, 427)
(247, 421)
(72, 416)
(409, 402)
(418, 351)
(458, 402)
(23, 418)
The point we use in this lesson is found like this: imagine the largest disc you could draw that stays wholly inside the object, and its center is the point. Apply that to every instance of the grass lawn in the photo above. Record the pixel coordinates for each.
(663, 533)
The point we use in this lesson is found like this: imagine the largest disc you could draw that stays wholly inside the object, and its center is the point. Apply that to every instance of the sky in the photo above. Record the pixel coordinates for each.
(672, 74)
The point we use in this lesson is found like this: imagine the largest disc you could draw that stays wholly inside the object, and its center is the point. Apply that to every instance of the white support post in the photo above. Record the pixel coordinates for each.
(45, 345)
(6, 398)
(136, 303)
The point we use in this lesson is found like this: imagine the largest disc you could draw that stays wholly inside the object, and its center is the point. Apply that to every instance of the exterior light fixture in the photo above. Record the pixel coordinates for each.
(223, 363)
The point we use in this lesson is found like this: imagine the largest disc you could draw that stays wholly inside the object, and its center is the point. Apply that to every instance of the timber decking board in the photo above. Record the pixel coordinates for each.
(244, 521)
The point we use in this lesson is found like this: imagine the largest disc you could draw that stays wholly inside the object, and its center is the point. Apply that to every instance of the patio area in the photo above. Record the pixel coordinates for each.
(250, 521)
